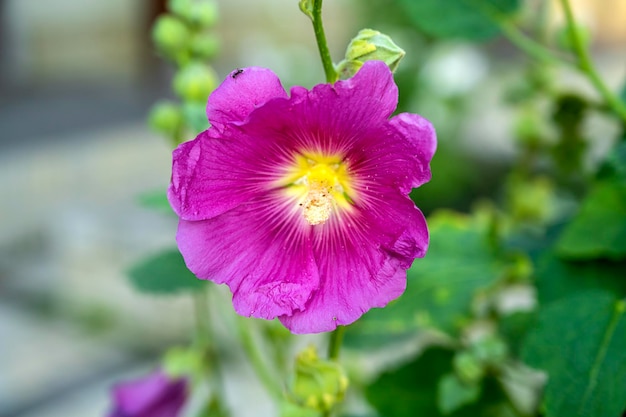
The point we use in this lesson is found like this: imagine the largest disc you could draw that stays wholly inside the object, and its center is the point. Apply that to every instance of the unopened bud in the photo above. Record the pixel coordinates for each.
(490, 350)
(195, 82)
(369, 45)
(204, 46)
(565, 40)
(468, 368)
(171, 36)
(203, 13)
(184, 362)
(306, 6)
(166, 117)
(318, 384)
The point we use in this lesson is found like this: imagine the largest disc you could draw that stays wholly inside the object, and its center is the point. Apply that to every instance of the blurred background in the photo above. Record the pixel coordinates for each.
(77, 80)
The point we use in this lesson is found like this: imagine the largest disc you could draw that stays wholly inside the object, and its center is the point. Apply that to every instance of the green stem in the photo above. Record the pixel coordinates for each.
(204, 338)
(334, 344)
(259, 364)
(320, 37)
(586, 65)
(202, 319)
(527, 44)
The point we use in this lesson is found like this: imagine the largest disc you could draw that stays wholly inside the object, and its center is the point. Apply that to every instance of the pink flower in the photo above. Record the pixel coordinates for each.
(156, 395)
(300, 204)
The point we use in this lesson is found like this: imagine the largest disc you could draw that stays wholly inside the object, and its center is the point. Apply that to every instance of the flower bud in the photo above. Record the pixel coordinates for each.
(490, 350)
(195, 82)
(201, 13)
(166, 117)
(185, 362)
(318, 384)
(369, 45)
(564, 37)
(170, 35)
(306, 7)
(204, 46)
(468, 368)
(155, 394)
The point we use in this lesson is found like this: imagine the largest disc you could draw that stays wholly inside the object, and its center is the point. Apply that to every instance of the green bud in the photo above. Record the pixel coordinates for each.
(468, 368)
(306, 6)
(171, 36)
(491, 350)
(318, 384)
(195, 82)
(204, 46)
(530, 128)
(179, 362)
(166, 117)
(564, 37)
(369, 45)
(288, 409)
(531, 200)
(180, 7)
(201, 13)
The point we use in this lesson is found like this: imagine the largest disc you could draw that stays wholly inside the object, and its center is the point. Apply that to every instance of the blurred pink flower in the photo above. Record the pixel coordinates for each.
(300, 203)
(155, 395)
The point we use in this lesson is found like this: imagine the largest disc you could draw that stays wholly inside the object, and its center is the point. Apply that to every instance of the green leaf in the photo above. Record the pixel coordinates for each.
(580, 342)
(440, 287)
(614, 166)
(466, 19)
(164, 273)
(599, 229)
(557, 278)
(412, 390)
(453, 394)
(156, 200)
(514, 327)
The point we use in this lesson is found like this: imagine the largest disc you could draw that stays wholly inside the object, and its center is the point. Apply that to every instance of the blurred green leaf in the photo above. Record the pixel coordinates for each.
(164, 273)
(465, 19)
(514, 327)
(156, 200)
(557, 278)
(581, 342)
(453, 394)
(614, 166)
(440, 287)
(412, 390)
(599, 228)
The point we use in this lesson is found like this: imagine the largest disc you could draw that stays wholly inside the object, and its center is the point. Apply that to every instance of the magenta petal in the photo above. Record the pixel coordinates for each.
(266, 260)
(371, 89)
(354, 278)
(238, 189)
(420, 136)
(362, 260)
(200, 188)
(241, 92)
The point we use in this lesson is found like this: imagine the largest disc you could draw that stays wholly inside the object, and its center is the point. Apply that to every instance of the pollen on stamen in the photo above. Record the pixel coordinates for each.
(318, 205)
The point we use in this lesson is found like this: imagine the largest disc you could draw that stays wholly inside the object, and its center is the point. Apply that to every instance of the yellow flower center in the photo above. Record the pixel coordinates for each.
(320, 184)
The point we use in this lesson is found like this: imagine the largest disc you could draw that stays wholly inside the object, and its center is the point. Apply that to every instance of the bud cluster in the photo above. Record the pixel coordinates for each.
(184, 37)
(318, 384)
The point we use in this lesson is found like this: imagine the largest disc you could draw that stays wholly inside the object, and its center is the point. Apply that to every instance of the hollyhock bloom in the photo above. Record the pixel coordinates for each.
(300, 203)
(156, 395)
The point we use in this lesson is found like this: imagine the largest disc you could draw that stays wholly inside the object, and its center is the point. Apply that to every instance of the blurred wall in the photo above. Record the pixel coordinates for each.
(68, 40)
